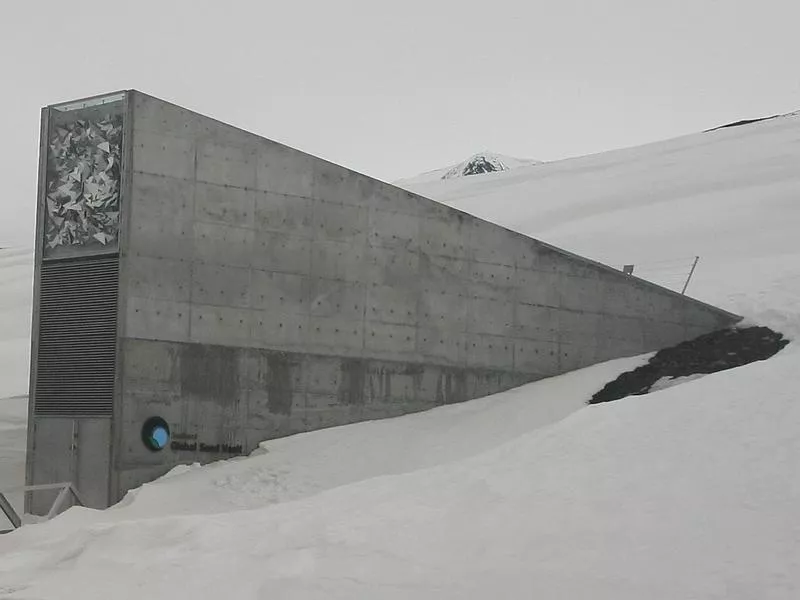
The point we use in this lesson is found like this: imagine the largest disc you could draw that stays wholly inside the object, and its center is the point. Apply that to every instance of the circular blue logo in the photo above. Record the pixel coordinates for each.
(155, 434)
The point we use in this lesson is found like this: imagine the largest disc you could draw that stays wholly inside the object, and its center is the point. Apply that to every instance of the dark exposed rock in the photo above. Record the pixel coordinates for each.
(485, 162)
(717, 351)
(480, 165)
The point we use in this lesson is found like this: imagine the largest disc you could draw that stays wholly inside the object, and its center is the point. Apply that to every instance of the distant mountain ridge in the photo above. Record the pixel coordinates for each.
(477, 164)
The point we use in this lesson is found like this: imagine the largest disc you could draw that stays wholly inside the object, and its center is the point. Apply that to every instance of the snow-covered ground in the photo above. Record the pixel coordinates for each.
(688, 492)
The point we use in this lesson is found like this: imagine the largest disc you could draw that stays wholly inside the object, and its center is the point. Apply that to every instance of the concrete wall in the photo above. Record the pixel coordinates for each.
(269, 292)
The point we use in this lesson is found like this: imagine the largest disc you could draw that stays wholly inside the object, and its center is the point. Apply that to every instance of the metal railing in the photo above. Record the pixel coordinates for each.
(66, 490)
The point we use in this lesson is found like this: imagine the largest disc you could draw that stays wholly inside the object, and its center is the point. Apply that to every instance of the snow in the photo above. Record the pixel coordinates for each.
(687, 492)
(13, 421)
(668, 382)
(16, 273)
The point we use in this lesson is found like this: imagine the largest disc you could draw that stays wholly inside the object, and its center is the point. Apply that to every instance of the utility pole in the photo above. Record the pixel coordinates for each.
(694, 265)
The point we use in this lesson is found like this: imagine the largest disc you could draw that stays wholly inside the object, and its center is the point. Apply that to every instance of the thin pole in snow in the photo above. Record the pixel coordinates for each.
(694, 265)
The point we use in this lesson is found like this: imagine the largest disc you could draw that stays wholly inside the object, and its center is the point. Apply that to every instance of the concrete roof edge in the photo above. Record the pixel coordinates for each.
(88, 98)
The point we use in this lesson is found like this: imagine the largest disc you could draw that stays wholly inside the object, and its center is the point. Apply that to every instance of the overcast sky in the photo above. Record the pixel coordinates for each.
(395, 88)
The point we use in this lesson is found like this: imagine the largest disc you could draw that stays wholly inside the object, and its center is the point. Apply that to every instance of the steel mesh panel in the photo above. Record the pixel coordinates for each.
(76, 356)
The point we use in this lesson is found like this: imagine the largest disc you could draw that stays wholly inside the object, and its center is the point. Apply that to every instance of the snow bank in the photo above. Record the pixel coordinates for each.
(305, 464)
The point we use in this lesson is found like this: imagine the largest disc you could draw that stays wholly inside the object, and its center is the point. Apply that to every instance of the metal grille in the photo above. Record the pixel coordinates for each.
(77, 337)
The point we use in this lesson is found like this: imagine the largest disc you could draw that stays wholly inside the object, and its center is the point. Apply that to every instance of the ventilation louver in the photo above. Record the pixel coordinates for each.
(77, 337)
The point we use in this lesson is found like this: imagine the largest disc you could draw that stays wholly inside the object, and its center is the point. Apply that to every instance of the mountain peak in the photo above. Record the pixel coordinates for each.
(477, 164)
(485, 162)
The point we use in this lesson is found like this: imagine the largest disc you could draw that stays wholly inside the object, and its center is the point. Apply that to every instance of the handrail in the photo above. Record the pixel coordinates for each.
(66, 489)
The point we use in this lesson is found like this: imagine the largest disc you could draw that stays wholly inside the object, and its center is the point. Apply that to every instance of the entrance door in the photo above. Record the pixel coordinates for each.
(73, 451)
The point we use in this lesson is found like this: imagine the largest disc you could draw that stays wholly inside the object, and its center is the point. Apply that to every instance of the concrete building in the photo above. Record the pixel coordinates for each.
(199, 289)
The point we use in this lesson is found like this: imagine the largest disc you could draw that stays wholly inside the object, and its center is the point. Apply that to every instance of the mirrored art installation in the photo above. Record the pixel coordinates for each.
(83, 184)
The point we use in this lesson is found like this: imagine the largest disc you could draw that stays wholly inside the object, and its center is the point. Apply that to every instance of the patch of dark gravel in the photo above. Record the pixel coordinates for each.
(709, 353)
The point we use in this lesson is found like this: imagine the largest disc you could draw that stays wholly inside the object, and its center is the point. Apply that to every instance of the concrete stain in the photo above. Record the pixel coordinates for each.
(351, 383)
(451, 387)
(279, 383)
(210, 372)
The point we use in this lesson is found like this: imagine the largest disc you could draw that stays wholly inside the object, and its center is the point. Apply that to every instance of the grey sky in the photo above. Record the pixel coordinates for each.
(394, 88)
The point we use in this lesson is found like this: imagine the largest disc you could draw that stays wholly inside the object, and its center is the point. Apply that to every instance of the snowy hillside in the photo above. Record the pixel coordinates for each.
(16, 273)
(730, 196)
(478, 164)
(688, 492)
(16, 288)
